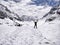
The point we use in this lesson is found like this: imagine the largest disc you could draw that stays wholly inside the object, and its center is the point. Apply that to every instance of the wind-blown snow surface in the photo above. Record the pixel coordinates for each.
(47, 33)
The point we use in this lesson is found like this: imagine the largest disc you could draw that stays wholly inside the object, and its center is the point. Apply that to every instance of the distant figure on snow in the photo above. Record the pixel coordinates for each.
(35, 23)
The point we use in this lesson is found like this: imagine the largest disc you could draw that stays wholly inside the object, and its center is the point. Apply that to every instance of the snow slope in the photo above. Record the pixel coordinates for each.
(47, 33)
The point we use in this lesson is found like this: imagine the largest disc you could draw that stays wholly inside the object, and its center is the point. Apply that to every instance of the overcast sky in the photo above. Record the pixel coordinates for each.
(38, 2)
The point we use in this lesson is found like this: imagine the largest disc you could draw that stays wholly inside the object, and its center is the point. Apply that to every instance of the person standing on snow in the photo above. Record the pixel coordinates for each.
(35, 23)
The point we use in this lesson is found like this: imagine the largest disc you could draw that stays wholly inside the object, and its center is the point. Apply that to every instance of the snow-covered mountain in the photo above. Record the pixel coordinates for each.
(22, 8)
(5, 12)
(53, 14)
(23, 12)
(17, 25)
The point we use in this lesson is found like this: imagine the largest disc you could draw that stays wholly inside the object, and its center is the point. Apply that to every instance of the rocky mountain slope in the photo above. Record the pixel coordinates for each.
(53, 14)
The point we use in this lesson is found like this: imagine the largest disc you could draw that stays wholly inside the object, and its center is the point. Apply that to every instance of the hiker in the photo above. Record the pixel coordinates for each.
(35, 23)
